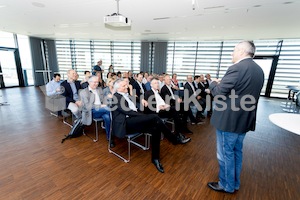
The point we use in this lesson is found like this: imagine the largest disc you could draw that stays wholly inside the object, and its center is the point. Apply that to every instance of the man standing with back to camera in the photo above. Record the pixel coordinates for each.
(235, 113)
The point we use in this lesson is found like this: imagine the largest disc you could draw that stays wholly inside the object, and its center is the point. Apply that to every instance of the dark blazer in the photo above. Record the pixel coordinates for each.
(151, 103)
(188, 87)
(202, 89)
(206, 84)
(119, 115)
(246, 78)
(138, 90)
(164, 92)
(68, 93)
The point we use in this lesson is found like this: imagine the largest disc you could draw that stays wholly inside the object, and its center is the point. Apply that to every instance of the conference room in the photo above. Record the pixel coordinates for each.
(39, 39)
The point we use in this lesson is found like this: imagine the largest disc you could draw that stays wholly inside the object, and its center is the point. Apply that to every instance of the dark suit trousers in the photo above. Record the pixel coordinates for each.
(180, 124)
(146, 124)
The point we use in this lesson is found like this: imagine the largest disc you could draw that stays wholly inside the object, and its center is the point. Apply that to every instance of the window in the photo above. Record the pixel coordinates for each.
(83, 55)
(208, 56)
(288, 68)
(126, 56)
(181, 58)
(64, 60)
(7, 40)
(25, 56)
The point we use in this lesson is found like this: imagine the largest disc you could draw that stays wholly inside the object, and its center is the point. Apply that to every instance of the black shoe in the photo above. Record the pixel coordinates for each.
(215, 186)
(182, 139)
(158, 165)
(112, 144)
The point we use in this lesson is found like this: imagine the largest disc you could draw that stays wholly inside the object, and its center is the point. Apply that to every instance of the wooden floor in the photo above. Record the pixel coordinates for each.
(35, 165)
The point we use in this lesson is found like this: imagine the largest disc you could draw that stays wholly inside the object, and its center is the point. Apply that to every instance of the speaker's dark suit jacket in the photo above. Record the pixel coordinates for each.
(68, 93)
(246, 78)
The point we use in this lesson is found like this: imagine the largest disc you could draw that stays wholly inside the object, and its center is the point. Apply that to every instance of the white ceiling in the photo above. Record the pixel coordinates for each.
(211, 19)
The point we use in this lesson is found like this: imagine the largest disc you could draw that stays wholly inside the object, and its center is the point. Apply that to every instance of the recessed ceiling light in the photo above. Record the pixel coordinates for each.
(37, 4)
(288, 2)
(257, 6)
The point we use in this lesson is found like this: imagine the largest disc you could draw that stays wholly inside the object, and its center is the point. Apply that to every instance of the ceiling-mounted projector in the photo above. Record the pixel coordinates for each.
(116, 19)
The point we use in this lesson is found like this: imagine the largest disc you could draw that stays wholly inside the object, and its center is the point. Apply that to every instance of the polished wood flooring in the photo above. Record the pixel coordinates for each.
(35, 165)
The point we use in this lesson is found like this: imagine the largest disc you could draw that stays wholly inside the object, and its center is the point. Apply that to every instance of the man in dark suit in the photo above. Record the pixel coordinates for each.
(71, 89)
(235, 113)
(168, 95)
(126, 119)
(192, 93)
(156, 105)
(209, 98)
(201, 97)
(139, 87)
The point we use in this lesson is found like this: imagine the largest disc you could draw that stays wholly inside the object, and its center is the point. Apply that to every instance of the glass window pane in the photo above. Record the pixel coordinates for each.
(7, 40)
(25, 56)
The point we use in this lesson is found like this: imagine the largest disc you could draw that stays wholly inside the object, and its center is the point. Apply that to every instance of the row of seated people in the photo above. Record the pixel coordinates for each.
(197, 88)
(91, 106)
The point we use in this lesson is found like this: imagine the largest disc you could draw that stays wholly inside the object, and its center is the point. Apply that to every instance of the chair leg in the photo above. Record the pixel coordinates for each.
(96, 133)
(66, 122)
(130, 141)
(53, 114)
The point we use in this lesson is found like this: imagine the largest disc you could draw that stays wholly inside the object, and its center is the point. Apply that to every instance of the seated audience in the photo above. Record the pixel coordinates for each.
(129, 86)
(191, 91)
(53, 86)
(139, 87)
(84, 83)
(108, 91)
(111, 68)
(146, 74)
(157, 105)
(101, 83)
(174, 82)
(161, 81)
(126, 120)
(119, 75)
(92, 104)
(201, 97)
(71, 88)
(147, 85)
(207, 90)
(208, 80)
(131, 77)
(167, 93)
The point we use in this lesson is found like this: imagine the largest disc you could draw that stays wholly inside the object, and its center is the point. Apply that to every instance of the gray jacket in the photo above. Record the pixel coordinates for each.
(88, 99)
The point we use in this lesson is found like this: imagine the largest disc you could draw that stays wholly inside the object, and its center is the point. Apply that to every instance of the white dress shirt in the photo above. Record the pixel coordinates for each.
(159, 100)
(193, 88)
(171, 91)
(130, 103)
(97, 98)
(141, 86)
